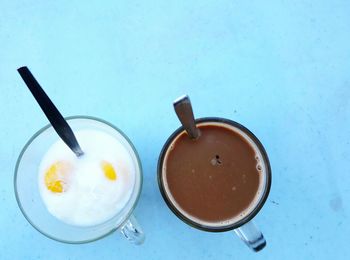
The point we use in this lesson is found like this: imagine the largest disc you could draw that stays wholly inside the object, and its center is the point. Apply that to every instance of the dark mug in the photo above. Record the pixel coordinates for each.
(183, 188)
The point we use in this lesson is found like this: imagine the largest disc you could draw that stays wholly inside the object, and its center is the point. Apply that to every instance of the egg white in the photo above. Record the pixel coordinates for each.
(90, 198)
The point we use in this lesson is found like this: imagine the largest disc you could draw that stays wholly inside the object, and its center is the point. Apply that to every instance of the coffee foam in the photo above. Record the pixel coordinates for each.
(260, 165)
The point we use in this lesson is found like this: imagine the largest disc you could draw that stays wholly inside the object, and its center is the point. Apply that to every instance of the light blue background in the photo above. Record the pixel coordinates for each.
(281, 68)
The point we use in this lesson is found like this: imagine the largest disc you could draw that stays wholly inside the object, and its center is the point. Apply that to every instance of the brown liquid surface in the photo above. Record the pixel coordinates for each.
(215, 177)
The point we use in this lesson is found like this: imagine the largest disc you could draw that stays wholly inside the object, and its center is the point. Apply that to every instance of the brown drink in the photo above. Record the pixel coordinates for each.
(217, 180)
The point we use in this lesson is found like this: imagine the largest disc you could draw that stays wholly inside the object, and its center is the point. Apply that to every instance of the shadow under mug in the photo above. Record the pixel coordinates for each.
(30, 202)
(245, 227)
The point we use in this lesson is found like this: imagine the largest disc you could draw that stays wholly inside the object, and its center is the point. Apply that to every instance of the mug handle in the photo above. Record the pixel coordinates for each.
(251, 236)
(132, 231)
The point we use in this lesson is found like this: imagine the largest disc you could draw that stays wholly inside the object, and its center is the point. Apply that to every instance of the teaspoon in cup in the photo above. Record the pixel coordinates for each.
(184, 112)
(56, 119)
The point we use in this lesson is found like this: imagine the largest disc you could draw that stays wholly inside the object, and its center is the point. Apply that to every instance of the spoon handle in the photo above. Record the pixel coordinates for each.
(56, 119)
(183, 109)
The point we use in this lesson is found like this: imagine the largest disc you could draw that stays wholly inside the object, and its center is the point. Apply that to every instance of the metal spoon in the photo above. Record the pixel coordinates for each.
(56, 119)
(184, 112)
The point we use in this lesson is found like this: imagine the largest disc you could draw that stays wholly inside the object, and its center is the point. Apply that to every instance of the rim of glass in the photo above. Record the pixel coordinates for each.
(39, 132)
(192, 223)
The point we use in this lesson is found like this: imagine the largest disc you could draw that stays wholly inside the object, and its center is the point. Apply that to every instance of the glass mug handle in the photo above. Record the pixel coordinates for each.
(132, 231)
(251, 236)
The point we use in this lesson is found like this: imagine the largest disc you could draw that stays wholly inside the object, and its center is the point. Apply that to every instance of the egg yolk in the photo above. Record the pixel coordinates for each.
(56, 177)
(109, 171)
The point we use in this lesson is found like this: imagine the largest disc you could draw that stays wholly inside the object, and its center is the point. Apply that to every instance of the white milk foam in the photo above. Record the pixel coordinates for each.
(90, 198)
(260, 165)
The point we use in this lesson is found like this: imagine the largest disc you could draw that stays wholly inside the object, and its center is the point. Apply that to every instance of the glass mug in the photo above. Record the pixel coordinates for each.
(243, 227)
(31, 204)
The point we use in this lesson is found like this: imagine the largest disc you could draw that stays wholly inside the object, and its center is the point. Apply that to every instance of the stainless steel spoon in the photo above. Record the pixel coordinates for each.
(183, 109)
(56, 119)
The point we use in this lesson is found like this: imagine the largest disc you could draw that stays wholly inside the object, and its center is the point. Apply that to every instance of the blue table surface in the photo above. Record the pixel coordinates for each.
(281, 68)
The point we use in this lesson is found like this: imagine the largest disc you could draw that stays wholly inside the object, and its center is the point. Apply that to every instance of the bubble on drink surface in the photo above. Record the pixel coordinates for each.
(244, 178)
(258, 167)
(171, 147)
(234, 188)
(216, 160)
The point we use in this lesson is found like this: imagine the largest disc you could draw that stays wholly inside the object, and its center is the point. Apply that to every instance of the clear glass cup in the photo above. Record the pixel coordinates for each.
(31, 204)
(244, 227)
